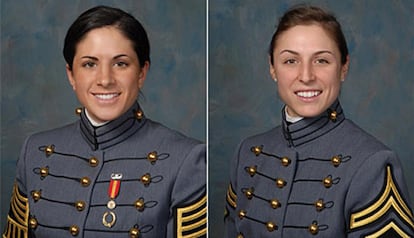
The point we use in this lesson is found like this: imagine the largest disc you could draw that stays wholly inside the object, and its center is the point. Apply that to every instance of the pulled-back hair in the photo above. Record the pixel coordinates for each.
(308, 15)
(102, 16)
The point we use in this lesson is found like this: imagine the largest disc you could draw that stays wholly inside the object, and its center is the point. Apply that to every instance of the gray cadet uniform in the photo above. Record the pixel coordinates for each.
(318, 177)
(131, 177)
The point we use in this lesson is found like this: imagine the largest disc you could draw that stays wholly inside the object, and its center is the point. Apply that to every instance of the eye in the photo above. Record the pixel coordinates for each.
(89, 64)
(321, 61)
(121, 64)
(290, 61)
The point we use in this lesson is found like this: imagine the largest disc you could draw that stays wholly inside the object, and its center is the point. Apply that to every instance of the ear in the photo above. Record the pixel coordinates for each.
(344, 69)
(71, 79)
(143, 74)
(272, 70)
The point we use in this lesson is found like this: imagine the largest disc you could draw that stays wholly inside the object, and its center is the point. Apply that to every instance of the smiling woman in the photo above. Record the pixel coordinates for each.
(318, 173)
(106, 74)
(114, 172)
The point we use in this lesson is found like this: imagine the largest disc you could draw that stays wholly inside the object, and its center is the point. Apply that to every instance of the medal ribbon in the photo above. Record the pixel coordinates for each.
(114, 185)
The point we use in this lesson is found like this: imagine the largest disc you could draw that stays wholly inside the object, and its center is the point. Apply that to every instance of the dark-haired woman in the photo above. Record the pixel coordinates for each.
(114, 172)
(318, 174)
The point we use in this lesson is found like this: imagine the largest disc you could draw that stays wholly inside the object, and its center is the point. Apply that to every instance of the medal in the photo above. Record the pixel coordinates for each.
(109, 217)
(113, 189)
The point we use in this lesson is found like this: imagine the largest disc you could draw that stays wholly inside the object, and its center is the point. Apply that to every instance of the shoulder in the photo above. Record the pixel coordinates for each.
(273, 134)
(170, 138)
(361, 141)
(59, 133)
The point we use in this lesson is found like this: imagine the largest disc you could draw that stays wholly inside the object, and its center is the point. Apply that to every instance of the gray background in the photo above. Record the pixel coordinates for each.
(35, 93)
(378, 93)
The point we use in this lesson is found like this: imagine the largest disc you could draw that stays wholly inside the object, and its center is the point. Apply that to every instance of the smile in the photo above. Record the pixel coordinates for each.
(106, 96)
(308, 94)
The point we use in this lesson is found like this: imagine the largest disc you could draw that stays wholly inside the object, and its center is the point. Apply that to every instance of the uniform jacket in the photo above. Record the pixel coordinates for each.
(318, 177)
(131, 177)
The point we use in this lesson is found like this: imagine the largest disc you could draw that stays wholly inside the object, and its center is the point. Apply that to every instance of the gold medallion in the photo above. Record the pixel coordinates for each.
(108, 222)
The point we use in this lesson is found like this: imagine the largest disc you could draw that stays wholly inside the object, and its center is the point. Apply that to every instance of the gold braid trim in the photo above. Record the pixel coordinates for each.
(386, 228)
(231, 197)
(390, 198)
(18, 216)
(192, 217)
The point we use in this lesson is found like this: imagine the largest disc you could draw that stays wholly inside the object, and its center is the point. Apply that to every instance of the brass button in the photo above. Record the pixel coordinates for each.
(274, 203)
(252, 170)
(85, 181)
(270, 226)
(36, 195)
(336, 161)
(319, 205)
(240, 235)
(78, 111)
(74, 230)
(256, 150)
(134, 232)
(80, 205)
(314, 229)
(146, 179)
(93, 162)
(280, 183)
(242, 214)
(33, 223)
(249, 193)
(139, 115)
(327, 182)
(44, 172)
(285, 161)
(333, 115)
(49, 150)
(140, 204)
(152, 156)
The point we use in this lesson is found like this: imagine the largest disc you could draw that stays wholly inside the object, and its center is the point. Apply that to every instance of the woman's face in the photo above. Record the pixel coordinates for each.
(106, 74)
(307, 67)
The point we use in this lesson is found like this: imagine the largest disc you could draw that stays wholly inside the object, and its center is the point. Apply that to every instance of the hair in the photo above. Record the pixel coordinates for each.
(102, 16)
(308, 15)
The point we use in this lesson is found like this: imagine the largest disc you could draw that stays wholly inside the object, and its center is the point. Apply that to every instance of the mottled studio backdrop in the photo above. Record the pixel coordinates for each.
(35, 94)
(378, 93)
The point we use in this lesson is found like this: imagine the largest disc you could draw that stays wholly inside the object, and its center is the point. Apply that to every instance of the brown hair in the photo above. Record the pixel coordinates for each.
(307, 15)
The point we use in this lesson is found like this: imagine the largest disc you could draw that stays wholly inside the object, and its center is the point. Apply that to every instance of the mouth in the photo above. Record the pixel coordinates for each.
(308, 94)
(106, 96)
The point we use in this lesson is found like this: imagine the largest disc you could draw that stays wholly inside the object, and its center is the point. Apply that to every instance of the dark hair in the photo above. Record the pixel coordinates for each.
(101, 16)
(307, 15)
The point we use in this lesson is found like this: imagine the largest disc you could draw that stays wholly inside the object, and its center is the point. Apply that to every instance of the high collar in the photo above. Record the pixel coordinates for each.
(113, 132)
(308, 129)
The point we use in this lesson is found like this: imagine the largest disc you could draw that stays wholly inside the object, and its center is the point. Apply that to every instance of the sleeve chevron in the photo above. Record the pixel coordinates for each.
(191, 220)
(389, 200)
(17, 219)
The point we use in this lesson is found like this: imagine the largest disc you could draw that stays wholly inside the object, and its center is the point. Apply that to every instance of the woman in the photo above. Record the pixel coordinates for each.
(114, 172)
(318, 174)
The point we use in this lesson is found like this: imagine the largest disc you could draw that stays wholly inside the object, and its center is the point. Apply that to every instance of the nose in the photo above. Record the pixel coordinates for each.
(105, 77)
(306, 73)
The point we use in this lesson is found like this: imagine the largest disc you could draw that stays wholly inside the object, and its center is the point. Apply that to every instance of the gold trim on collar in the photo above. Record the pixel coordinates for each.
(390, 198)
(192, 217)
(386, 228)
(231, 197)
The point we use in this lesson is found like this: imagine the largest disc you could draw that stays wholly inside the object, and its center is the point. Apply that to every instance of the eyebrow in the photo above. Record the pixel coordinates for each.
(95, 58)
(297, 53)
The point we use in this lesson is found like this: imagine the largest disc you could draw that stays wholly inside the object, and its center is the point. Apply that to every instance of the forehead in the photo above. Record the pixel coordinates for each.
(105, 39)
(306, 37)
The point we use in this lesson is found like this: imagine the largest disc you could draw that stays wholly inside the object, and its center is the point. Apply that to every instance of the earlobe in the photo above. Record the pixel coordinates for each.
(143, 74)
(345, 69)
(272, 71)
(69, 74)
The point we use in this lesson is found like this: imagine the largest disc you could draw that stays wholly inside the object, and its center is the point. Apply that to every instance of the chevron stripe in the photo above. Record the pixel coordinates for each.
(390, 198)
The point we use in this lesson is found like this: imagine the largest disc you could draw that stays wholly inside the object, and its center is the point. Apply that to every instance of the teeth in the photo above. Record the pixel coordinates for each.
(308, 94)
(106, 96)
